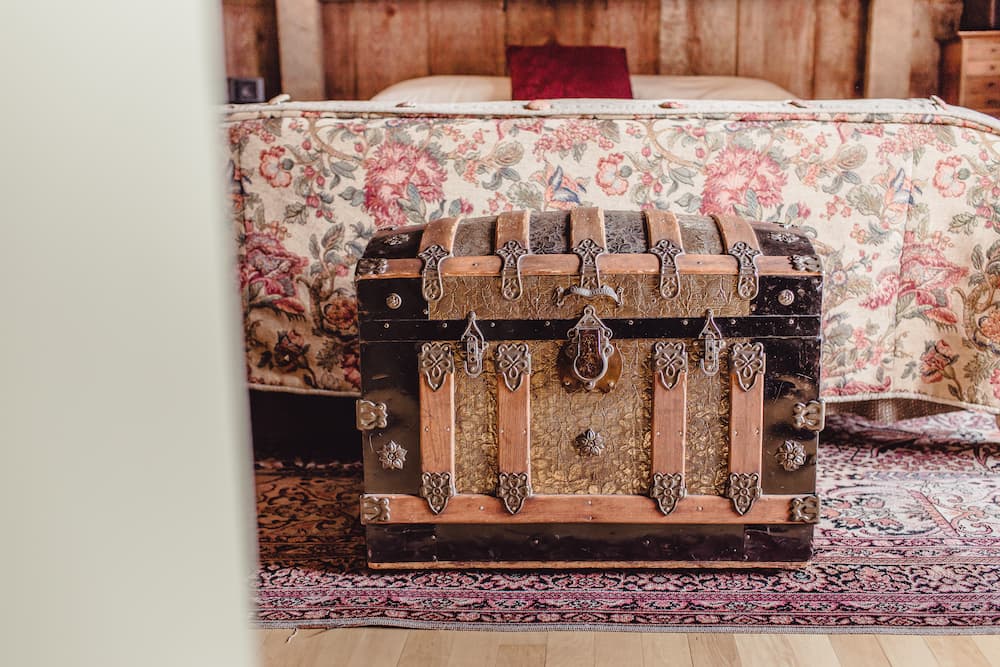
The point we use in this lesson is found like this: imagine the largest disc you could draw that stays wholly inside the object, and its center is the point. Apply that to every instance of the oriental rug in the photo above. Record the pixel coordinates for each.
(909, 541)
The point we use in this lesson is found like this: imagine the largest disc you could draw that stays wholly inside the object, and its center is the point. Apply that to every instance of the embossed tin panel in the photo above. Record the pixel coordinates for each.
(640, 296)
(622, 417)
(476, 431)
(707, 449)
(625, 234)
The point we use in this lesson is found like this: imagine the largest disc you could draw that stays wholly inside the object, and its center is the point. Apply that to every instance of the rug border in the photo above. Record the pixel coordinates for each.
(332, 624)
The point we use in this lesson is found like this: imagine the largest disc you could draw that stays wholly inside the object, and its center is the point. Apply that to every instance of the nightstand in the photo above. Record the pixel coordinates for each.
(970, 71)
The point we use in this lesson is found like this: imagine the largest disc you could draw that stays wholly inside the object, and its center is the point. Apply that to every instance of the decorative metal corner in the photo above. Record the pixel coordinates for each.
(667, 490)
(430, 277)
(511, 252)
(748, 363)
(784, 237)
(810, 416)
(475, 347)
(669, 361)
(590, 443)
(513, 363)
(392, 456)
(371, 266)
(370, 415)
(375, 509)
(746, 257)
(670, 278)
(512, 489)
(805, 509)
(590, 286)
(437, 488)
(743, 488)
(806, 263)
(436, 360)
(791, 455)
(712, 343)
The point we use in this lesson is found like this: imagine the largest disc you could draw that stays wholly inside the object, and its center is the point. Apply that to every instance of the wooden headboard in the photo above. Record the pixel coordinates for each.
(351, 49)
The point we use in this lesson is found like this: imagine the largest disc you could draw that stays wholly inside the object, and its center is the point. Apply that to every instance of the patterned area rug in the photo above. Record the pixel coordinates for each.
(909, 539)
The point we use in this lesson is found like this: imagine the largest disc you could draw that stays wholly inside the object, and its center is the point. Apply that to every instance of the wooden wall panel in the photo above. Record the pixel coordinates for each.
(466, 37)
(777, 43)
(390, 43)
(887, 73)
(625, 23)
(340, 64)
(838, 64)
(250, 36)
(934, 22)
(300, 48)
(698, 37)
(815, 48)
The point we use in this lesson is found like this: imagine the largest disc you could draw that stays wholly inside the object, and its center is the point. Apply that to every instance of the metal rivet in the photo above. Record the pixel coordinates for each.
(786, 297)
(386, 325)
(631, 322)
(444, 325)
(394, 301)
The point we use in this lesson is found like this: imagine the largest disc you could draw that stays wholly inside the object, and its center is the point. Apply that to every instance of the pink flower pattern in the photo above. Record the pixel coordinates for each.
(735, 173)
(398, 171)
(903, 208)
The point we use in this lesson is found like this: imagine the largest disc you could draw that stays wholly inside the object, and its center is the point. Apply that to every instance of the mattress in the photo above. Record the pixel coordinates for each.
(464, 88)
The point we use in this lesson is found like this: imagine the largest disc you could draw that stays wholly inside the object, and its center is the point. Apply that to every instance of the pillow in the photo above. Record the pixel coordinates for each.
(553, 71)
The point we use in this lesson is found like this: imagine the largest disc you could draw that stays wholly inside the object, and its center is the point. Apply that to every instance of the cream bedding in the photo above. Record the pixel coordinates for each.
(448, 89)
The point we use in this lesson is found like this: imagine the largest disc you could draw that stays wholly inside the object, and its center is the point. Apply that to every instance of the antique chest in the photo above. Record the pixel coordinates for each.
(589, 388)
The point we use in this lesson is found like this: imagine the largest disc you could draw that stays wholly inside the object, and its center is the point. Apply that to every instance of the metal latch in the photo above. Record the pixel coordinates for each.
(670, 278)
(589, 358)
(475, 347)
(712, 344)
(511, 253)
(590, 286)
(430, 276)
(746, 258)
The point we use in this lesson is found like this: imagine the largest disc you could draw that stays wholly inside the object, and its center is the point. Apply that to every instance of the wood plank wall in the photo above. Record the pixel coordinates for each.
(250, 35)
(814, 48)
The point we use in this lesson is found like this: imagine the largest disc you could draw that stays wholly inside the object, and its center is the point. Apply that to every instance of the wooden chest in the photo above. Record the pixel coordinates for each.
(589, 389)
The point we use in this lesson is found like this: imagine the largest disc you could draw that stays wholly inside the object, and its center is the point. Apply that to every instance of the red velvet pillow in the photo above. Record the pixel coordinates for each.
(553, 71)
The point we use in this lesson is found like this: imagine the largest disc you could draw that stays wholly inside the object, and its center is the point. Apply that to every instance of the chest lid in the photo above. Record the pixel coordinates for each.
(538, 263)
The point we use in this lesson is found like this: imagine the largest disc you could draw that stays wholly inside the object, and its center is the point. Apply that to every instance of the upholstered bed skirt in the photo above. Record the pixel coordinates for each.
(901, 199)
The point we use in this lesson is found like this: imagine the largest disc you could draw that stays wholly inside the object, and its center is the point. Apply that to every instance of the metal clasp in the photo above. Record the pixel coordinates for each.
(670, 277)
(589, 357)
(431, 286)
(590, 286)
(712, 344)
(475, 347)
(746, 257)
(511, 253)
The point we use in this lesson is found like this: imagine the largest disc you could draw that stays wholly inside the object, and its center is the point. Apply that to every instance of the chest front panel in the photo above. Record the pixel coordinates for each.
(589, 389)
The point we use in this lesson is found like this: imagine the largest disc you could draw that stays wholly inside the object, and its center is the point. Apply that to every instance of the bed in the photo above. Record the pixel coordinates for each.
(899, 197)
(463, 88)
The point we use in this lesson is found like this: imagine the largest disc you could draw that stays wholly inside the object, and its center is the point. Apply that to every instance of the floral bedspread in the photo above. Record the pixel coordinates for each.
(901, 199)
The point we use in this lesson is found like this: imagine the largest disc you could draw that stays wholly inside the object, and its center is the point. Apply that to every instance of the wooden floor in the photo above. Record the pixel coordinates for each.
(375, 647)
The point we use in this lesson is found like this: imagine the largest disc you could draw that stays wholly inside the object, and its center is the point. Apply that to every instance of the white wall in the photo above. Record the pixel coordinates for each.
(125, 536)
